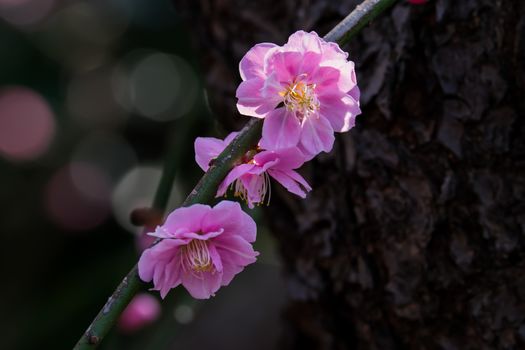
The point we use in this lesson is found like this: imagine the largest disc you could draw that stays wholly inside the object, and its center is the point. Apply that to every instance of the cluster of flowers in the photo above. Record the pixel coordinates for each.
(304, 90)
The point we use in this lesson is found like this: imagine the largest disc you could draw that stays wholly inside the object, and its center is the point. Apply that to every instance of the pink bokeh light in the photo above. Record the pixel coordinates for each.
(91, 181)
(25, 12)
(27, 124)
(143, 310)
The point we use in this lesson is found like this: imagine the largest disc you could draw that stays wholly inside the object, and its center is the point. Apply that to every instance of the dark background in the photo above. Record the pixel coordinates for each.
(411, 239)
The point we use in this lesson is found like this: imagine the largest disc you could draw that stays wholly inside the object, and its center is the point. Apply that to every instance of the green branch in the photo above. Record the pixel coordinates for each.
(206, 188)
(363, 14)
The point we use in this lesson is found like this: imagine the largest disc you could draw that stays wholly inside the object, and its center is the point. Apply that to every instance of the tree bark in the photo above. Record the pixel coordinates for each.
(413, 236)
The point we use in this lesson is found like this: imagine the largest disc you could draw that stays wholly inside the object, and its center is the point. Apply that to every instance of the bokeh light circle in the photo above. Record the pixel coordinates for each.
(69, 206)
(183, 314)
(25, 13)
(80, 34)
(135, 190)
(143, 310)
(155, 85)
(27, 124)
(107, 151)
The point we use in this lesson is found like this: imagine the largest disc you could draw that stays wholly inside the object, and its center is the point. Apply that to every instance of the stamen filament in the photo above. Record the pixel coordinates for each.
(301, 98)
(196, 258)
(261, 185)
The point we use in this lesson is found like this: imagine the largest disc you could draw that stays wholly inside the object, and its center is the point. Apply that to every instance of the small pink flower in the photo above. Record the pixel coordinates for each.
(203, 248)
(250, 179)
(417, 2)
(305, 90)
(143, 310)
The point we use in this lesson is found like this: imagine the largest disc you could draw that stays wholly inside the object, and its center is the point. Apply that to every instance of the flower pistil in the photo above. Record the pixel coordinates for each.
(196, 257)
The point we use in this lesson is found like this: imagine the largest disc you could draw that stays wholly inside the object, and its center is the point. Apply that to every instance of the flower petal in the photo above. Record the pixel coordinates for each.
(309, 64)
(206, 149)
(228, 139)
(325, 80)
(265, 157)
(229, 216)
(172, 276)
(355, 93)
(229, 270)
(249, 97)
(232, 264)
(284, 65)
(288, 158)
(271, 89)
(340, 111)
(317, 136)
(257, 97)
(291, 180)
(298, 178)
(201, 236)
(235, 249)
(252, 64)
(202, 286)
(160, 252)
(263, 162)
(346, 79)
(302, 41)
(233, 175)
(187, 218)
(281, 129)
(332, 52)
(161, 232)
(331, 56)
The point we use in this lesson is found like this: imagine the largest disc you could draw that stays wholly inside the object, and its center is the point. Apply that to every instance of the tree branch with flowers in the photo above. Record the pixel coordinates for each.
(299, 94)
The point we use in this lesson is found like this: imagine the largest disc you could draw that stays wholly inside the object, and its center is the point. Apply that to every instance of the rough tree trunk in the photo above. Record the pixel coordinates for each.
(414, 234)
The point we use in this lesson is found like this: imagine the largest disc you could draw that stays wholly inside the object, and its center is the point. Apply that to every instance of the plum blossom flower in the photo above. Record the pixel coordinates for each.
(250, 178)
(305, 90)
(202, 248)
(143, 310)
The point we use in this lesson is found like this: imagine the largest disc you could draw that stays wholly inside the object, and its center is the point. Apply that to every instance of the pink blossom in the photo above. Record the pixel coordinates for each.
(417, 2)
(144, 241)
(143, 310)
(250, 178)
(202, 248)
(305, 90)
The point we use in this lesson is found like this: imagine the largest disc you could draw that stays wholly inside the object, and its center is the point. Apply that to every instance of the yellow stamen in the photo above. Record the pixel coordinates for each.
(300, 97)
